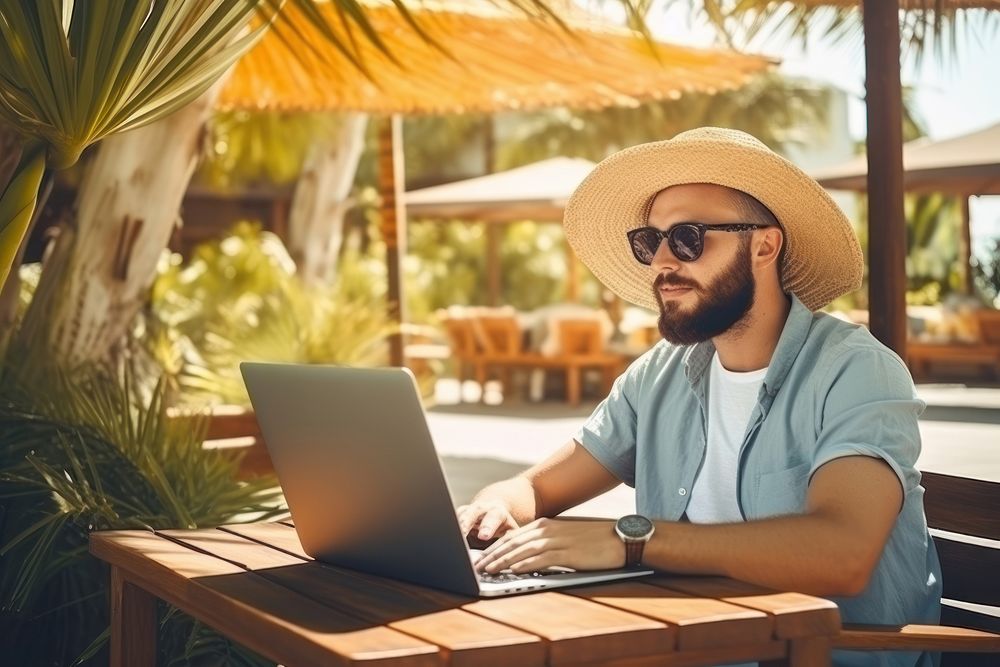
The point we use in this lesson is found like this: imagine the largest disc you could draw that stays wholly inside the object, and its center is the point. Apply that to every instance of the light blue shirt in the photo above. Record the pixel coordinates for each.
(831, 390)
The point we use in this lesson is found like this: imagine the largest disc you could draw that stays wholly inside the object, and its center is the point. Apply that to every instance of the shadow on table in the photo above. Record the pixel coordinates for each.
(351, 601)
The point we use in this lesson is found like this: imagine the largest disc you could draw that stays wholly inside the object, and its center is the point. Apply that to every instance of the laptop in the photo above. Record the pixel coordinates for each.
(364, 483)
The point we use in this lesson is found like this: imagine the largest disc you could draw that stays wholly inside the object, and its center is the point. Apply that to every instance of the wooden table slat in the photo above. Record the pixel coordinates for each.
(795, 614)
(434, 616)
(258, 613)
(254, 583)
(773, 650)
(278, 535)
(579, 630)
(701, 622)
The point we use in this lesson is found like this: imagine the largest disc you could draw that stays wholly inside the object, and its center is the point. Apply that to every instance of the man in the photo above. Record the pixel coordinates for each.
(766, 441)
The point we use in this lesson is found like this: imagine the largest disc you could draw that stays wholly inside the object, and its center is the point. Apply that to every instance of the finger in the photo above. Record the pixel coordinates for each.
(472, 518)
(513, 558)
(510, 539)
(491, 522)
(465, 518)
(494, 551)
(536, 563)
(508, 544)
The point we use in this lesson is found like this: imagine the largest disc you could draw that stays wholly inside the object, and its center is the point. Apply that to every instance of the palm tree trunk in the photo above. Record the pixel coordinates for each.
(316, 218)
(98, 274)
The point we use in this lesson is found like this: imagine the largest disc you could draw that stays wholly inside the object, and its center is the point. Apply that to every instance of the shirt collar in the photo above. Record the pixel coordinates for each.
(793, 337)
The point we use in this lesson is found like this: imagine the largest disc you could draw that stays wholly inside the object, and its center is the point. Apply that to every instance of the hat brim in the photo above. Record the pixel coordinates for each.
(822, 257)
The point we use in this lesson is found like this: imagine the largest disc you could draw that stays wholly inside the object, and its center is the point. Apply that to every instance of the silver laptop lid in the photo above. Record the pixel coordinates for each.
(362, 479)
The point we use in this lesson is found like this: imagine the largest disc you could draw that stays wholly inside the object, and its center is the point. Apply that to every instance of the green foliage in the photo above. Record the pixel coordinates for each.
(777, 110)
(934, 23)
(18, 199)
(986, 273)
(84, 452)
(249, 148)
(932, 270)
(74, 72)
(445, 265)
(238, 299)
(932, 247)
(533, 263)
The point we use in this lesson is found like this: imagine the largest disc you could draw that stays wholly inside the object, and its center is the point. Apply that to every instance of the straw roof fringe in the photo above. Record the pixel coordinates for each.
(499, 60)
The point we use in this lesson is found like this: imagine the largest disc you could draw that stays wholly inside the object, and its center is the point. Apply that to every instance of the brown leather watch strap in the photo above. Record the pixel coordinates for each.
(633, 553)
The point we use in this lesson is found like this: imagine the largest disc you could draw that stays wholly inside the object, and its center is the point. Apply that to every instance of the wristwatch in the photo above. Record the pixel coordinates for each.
(634, 530)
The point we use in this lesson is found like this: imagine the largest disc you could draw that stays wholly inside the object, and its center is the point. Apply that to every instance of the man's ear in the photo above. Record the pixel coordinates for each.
(767, 246)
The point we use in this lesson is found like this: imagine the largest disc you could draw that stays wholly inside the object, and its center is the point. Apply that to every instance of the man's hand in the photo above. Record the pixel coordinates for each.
(491, 518)
(577, 544)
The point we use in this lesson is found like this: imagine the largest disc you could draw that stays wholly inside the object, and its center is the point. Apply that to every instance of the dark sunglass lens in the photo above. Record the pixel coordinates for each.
(685, 242)
(645, 242)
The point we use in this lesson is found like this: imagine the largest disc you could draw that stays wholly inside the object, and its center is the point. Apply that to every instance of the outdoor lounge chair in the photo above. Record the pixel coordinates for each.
(581, 346)
(984, 353)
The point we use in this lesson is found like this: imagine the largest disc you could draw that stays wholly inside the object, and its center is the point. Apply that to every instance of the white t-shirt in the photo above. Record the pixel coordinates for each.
(731, 400)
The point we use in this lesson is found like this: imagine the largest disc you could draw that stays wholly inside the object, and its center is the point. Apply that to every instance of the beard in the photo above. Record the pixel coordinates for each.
(724, 303)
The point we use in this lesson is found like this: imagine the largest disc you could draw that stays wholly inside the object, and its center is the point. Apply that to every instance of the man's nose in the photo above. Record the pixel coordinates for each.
(664, 259)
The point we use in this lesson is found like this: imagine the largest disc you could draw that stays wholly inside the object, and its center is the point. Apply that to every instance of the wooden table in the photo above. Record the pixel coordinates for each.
(254, 584)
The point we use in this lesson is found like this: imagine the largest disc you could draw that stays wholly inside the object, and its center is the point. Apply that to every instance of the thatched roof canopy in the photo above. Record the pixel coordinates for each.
(497, 59)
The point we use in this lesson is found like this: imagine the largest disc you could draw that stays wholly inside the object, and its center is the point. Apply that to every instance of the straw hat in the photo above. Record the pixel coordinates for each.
(822, 257)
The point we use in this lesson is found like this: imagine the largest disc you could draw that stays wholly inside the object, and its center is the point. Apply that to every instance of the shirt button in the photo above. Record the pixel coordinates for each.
(682, 491)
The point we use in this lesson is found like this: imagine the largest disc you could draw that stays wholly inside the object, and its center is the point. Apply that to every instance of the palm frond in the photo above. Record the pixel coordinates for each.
(83, 453)
(113, 66)
(923, 23)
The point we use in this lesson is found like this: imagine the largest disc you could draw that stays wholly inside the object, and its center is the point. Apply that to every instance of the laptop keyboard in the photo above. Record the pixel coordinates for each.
(504, 577)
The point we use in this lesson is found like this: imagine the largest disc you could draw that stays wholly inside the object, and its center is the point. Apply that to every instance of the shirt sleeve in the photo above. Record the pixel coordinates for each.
(610, 432)
(870, 408)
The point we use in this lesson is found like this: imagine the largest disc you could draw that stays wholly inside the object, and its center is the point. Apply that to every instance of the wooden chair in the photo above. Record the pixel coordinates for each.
(425, 350)
(983, 353)
(988, 321)
(581, 346)
(465, 349)
(499, 336)
(234, 429)
(971, 576)
(581, 343)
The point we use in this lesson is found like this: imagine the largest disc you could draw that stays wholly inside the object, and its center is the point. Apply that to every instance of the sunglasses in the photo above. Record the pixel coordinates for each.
(686, 240)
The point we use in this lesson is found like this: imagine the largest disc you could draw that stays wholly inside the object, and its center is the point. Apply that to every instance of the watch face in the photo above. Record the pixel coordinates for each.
(635, 526)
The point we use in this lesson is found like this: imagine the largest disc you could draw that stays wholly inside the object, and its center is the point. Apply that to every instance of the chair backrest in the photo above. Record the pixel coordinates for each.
(970, 568)
(989, 325)
(579, 337)
(499, 334)
(461, 336)
(233, 430)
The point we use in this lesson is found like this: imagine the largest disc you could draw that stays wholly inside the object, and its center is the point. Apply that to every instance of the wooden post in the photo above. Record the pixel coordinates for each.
(572, 275)
(133, 624)
(493, 280)
(886, 219)
(279, 217)
(391, 184)
(965, 248)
